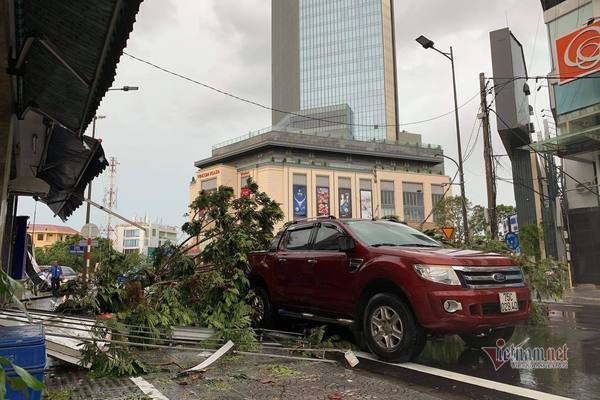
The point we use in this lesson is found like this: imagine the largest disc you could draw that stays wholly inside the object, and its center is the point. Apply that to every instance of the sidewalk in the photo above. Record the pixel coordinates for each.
(583, 295)
(242, 377)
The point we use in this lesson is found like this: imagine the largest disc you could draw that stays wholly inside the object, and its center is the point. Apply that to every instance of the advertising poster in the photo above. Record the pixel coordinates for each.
(366, 204)
(345, 203)
(299, 200)
(322, 201)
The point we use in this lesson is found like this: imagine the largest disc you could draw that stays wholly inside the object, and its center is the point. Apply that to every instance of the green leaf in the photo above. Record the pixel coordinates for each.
(2, 383)
(28, 379)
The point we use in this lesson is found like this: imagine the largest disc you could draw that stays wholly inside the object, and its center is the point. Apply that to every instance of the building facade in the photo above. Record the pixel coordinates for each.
(338, 54)
(311, 175)
(129, 239)
(44, 235)
(573, 29)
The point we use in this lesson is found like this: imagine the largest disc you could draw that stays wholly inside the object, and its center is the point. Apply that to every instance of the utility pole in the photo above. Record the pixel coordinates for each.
(89, 191)
(490, 177)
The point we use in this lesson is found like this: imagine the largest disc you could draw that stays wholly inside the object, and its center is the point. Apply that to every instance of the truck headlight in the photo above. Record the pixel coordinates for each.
(438, 273)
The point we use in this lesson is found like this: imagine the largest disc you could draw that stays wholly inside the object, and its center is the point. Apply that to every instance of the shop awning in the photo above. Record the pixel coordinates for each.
(68, 165)
(67, 52)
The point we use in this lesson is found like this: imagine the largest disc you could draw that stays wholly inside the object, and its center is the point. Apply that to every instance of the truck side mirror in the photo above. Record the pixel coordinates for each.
(345, 243)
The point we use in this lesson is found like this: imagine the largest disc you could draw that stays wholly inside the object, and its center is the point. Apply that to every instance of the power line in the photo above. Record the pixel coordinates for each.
(433, 206)
(257, 104)
(544, 157)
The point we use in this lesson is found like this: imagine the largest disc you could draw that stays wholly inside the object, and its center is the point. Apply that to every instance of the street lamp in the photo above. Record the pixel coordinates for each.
(126, 88)
(428, 44)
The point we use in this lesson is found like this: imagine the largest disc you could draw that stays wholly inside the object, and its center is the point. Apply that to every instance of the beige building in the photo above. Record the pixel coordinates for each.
(310, 175)
(44, 235)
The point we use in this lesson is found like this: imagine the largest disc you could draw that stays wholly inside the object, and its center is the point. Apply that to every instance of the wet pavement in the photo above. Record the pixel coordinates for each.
(577, 326)
(242, 377)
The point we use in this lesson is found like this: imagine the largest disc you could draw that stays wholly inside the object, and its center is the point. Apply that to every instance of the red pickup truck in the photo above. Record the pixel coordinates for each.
(391, 283)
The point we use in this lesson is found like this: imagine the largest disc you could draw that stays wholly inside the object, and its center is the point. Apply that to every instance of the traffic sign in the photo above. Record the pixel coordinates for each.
(448, 232)
(90, 231)
(77, 249)
(512, 241)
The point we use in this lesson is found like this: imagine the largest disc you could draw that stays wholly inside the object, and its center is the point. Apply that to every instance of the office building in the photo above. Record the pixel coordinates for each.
(334, 61)
(573, 29)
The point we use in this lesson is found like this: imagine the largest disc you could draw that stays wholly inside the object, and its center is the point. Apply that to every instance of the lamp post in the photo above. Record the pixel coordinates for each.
(428, 44)
(89, 193)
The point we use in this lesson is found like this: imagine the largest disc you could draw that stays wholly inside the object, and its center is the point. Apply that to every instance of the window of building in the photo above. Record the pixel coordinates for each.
(153, 232)
(244, 181)
(131, 243)
(40, 236)
(146, 242)
(437, 194)
(299, 199)
(388, 200)
(298, 239)
(130, 233)
(412, 195)
(366, 199)
(323, 196)
(345, 197)
(130, 251)
(50, 235)
(327, 238)
(209, 185)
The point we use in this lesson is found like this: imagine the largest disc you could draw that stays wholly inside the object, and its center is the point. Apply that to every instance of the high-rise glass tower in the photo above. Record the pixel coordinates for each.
(330, 53)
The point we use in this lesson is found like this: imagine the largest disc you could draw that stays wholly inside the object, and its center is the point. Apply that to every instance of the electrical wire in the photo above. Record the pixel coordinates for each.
(257, 104)
(443, 195)
(544, 156)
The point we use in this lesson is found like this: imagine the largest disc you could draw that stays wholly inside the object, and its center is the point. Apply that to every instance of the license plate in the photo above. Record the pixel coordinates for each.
(508, 302)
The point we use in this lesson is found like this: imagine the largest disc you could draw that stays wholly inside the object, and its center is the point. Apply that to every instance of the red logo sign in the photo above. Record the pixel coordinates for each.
(578, 53)
(246, 193)
(209, 173)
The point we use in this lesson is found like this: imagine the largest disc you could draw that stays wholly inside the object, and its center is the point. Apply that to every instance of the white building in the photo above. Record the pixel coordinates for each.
(131, 239)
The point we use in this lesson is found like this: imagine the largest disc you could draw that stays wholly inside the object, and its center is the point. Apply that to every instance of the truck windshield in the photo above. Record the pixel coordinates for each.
(386, 233)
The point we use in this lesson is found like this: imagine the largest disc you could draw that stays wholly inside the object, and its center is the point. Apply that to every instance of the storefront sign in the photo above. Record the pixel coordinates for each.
(366, 204)
(299, 200)
(345, 203)
(209, 173)
(578, 53)
(322, 201)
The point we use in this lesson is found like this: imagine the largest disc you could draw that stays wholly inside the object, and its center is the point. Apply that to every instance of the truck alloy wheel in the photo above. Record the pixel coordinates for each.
(386, 328)
(390, 329)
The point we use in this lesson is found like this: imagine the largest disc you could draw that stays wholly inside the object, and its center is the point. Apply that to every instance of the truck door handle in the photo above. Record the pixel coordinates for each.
(312, 260)
(282, 259)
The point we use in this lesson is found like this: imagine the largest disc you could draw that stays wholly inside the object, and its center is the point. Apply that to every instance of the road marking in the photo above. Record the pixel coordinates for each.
(148, 389)
(472, 380)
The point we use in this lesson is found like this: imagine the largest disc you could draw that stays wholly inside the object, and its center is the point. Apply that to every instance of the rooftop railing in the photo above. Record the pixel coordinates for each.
(264, 131)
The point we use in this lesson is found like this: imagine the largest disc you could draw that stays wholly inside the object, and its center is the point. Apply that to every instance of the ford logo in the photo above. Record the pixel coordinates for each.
(498, 277)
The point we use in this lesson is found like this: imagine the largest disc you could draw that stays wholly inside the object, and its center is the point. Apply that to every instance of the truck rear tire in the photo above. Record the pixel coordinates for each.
(488, 338)
(263, 317)
(390, 329)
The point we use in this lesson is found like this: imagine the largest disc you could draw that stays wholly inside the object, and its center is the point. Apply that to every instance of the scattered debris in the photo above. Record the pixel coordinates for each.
(351, 358)
(214, 357)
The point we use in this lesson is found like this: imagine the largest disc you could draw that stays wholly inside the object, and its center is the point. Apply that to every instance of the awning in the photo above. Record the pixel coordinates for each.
(68, 165)
(67, 55)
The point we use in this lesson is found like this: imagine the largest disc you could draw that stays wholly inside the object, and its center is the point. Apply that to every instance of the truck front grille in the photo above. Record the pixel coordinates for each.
(490, 277)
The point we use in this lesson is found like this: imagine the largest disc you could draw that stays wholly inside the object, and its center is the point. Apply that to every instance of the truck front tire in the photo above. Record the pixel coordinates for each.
(390, 329)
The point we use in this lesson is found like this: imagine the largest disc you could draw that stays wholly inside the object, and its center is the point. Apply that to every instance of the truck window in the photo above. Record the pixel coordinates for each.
(298, 239)
(275, 242)
(327, 238)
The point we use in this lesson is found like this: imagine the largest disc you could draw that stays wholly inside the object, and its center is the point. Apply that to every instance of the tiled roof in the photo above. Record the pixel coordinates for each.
(39, 228)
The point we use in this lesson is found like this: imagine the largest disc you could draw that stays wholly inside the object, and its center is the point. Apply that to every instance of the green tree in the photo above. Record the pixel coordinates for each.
(504, 211)
(477, 222)
(449, 211)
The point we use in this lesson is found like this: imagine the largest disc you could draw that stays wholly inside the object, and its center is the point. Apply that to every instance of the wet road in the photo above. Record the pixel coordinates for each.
(576, 326)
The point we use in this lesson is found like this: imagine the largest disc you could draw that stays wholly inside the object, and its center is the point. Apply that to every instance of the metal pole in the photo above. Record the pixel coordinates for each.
(86, 267)
(487, 155)
(89, 192)
(460, 158)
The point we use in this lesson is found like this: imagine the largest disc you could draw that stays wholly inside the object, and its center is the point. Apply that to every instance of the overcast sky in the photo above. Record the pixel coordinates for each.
(158, 132)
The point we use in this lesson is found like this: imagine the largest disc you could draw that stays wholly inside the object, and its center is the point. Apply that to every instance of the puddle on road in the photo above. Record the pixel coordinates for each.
(579, 329)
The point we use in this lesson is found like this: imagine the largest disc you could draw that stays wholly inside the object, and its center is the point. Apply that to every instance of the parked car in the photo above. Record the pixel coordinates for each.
(390, 283)
(68, 275)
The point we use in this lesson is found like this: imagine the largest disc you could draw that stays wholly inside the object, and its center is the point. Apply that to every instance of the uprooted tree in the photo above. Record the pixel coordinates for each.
(203, 281)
